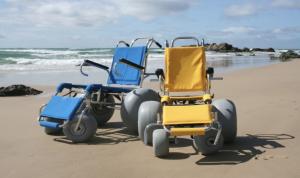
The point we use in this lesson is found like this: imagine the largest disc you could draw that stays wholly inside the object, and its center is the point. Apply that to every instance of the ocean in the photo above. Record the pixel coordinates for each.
(16, 63)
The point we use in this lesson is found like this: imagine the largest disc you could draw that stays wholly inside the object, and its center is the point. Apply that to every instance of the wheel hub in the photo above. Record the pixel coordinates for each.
(80, 130)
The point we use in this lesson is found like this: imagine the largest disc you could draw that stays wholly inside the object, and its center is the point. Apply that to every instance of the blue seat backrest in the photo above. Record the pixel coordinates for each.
(123, 74)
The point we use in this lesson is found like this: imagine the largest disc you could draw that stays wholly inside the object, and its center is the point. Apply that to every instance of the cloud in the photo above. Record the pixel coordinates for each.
(76, 37)
(240, 10)
(287, 30)
(293, 4)
(2, 36)
(88, 12)
(65, 12)
(248, 9)
(233, 31)
(149, 9)
(241, 32)
(238, 30)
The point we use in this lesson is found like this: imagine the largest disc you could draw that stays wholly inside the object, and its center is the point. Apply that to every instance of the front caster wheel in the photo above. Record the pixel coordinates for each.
(160, 143)
(86, 130)
(147, 114)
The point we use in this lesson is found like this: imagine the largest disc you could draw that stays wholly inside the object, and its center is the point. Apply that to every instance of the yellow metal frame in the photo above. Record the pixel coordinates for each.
(186, 71)
(187, 131)
(170, 99)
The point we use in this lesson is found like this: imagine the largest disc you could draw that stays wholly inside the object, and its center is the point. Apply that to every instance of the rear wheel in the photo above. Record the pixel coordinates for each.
(102, 114)
(131, 103)
(227, 117)
(205, 143)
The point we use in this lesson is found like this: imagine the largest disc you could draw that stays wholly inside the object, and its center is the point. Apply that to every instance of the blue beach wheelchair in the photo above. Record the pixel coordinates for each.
(78, 110)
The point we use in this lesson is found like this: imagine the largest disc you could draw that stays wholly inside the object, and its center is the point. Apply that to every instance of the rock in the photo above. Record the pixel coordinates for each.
(270, 50)
(288, 55)
(222, 47)
(263, 50)
(212, 47)
(225, 47)
(18, 90)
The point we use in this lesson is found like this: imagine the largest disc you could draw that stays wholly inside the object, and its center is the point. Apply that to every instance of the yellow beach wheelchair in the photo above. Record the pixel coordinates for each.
(187, 107)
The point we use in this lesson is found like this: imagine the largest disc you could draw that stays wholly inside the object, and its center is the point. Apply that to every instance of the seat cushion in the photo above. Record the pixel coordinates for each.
(187, 114)
(60, 107)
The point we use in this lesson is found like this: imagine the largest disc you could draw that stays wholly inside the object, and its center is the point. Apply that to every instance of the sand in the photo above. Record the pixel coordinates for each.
(268, 105)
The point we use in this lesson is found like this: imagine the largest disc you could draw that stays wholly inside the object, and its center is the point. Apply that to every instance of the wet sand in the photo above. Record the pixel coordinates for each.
(268, 106)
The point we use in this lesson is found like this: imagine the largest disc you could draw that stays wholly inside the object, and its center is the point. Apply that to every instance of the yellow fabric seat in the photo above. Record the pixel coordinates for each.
(187, 114)
(185, 69)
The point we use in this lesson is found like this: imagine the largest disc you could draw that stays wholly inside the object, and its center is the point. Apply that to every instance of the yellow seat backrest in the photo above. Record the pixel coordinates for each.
(185, 69)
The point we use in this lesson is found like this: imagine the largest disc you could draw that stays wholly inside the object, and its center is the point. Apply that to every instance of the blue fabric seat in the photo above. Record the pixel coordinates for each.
(61, 107)
(123, 74)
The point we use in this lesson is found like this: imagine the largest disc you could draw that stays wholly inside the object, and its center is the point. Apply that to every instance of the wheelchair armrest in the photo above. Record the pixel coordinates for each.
(131, 64)
(160, 72)
(68, 86)
(210, 71)
(92, 63)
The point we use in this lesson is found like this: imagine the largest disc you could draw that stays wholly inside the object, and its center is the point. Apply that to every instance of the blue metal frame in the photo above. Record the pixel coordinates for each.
(65, 107)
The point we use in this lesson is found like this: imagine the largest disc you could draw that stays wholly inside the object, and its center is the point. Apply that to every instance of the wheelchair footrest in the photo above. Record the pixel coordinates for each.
(53, 125)
(187, 131)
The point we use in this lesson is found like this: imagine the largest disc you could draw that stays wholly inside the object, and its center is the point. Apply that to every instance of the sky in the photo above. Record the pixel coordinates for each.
(102, 23)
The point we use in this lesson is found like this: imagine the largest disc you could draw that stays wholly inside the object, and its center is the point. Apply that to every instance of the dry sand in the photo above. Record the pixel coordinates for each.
(268, 105)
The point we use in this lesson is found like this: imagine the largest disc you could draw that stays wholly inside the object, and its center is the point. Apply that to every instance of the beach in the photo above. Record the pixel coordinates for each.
(268, 107)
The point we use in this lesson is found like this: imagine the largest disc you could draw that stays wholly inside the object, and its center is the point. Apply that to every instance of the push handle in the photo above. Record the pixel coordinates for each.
(150, 41)
(185, 38)
(123, 42)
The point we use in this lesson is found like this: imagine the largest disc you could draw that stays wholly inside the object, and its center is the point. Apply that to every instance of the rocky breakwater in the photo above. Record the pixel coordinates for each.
(226, 47)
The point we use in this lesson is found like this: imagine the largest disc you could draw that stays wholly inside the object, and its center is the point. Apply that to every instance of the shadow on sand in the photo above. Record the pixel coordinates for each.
(244, 149)
(111, 133)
